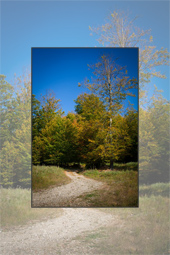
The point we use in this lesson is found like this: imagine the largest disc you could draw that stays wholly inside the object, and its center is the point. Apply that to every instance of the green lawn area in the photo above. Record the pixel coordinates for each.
(46, 176)
(121, 188)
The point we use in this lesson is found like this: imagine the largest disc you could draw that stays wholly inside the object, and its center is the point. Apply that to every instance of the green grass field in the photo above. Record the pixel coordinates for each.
(121, 188)
(16, 208)
(46, 176)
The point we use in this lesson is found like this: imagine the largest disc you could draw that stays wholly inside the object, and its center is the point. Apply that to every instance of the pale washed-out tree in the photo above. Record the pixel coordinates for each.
(120, 31)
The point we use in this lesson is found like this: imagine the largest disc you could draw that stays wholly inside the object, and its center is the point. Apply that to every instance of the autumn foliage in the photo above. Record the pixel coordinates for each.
(84, 136)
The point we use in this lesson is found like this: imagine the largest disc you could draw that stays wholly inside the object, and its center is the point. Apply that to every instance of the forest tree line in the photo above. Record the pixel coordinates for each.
(83, 136)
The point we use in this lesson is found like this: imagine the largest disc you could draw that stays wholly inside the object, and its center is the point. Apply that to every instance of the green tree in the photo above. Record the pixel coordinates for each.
(91, 124)
(52, 141)
(119, 141)
(90, 143)
(70, 146)
(89, 106)
(44, 111)
(154, 141)
(7, 110)
(49, 107)
(16, 146)
(58, 142)
(131, 122)
(36, 117)
(112, 85)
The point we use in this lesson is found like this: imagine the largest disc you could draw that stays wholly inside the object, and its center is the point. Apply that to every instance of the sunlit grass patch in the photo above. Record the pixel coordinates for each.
(46, 176)
(121, 188)
(16, 208)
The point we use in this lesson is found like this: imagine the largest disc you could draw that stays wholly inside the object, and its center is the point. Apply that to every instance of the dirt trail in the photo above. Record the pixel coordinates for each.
(47, 237)
(66, 195)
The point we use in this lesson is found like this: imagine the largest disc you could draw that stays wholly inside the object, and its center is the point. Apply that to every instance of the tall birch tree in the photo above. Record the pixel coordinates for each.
(112, 85)
(120, 31)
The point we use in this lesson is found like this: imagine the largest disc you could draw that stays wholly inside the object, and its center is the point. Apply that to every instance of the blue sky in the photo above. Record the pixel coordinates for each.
(61, 69)
(26, 24)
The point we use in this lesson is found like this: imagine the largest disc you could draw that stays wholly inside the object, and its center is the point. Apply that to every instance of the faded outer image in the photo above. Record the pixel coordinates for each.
(140, 230)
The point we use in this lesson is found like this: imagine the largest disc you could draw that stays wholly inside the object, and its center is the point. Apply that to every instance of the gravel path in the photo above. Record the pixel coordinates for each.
(66, 195)
(47, 237)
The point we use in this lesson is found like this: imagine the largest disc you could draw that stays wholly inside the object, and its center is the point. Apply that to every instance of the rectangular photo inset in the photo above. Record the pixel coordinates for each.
(85, 127)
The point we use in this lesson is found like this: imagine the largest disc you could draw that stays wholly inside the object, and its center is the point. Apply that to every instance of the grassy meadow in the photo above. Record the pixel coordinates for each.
(121, 187)
(142, 230)
(16, 208)
(44, 177)
(136, 231)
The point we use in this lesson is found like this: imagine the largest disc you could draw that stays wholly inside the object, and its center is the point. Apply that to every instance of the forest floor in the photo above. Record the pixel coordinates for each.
(67, 195)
